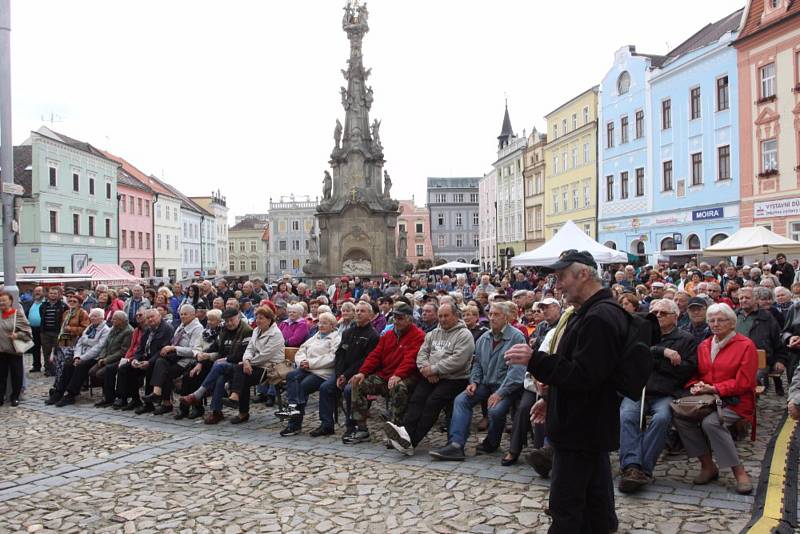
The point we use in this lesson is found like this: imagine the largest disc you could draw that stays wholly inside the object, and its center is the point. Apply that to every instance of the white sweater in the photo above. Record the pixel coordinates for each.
(320, 354)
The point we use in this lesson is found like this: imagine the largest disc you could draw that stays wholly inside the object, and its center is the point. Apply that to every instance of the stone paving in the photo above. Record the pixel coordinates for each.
(82, 469)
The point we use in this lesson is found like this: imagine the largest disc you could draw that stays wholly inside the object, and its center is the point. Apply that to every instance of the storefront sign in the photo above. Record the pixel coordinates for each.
(776, 208)
(708, 213)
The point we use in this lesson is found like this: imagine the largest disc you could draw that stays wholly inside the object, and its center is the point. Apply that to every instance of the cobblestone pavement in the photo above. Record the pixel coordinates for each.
(82, 469)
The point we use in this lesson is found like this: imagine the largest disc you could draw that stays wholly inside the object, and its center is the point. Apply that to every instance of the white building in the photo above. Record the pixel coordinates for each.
(487, 195)
(167, 206)
(291, 223)
(215, 231)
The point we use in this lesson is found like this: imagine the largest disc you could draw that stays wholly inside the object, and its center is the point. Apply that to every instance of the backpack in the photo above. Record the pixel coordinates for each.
(636, 362)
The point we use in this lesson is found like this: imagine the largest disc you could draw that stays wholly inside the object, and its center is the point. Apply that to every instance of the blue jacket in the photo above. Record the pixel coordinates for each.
(489, 366)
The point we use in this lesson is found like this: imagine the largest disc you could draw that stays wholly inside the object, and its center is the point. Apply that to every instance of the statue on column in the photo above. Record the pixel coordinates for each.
(376, 136)
(368, 98)
(337, 135)
(345, 99)
(387, 185)
(327, 186)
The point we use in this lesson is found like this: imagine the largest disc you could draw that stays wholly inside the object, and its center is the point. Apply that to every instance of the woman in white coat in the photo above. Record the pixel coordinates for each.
(315, 361)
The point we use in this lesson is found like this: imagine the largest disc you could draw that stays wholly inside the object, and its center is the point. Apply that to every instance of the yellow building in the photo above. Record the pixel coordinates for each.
(570, 156)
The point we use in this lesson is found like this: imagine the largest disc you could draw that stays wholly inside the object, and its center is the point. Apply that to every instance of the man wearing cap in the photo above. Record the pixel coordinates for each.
(697, 326)
(390, 370)
(246, 307)
(551, 313)
(582, 418)
(783, 270)
(656, 292)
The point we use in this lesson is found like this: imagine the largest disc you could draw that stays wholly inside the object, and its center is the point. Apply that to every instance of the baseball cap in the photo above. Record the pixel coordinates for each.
(548, 301)
(697, 301)
(401, 308)
(201, 305)
(657, 284)
(229, 312)
(568, 257)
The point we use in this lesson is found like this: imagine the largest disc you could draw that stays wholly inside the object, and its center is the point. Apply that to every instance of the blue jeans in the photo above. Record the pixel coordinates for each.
(462, 416)
(221, 372)
(266, 389)
(301, 383)
(327, 401)
(643, 448)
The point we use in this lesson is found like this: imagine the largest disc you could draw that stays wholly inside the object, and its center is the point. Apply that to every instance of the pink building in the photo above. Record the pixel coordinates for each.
(415, 222)
(135, 211)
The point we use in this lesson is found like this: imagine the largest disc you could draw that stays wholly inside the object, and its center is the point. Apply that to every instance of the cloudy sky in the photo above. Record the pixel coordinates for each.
(242, 95)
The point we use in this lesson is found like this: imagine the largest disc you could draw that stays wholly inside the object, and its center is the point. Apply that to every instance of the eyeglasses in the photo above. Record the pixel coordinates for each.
(659, 313)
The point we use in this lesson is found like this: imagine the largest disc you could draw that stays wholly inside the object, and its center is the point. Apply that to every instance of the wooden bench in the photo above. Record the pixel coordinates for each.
(762, 364)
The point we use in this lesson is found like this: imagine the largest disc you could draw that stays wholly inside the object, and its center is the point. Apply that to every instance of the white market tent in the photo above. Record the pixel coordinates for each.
(753, 241)
(454, 266)
(569, 237)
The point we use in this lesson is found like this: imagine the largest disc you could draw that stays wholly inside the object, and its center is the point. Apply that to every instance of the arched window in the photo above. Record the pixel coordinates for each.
(145, 270)
(623, 83)
(128, 266)
(611, 244)
(693, 242)
(668, 244)
(637, 247)
(717, 238)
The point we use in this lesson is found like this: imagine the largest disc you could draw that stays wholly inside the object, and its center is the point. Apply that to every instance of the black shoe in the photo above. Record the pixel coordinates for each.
(269, 401)
(144, 408)
(14, 403)
(161, 410)
(484, 448)
(119, 404)
(230, 403)
(291, 430)
(132, 405)
(55, 396)
(182, 413)
(541, 460)
(449, 452)
(103, 403)
(35, 370)
(195, 412)
(66, 400)
(321, 431)
(509, 459)
(152, 398)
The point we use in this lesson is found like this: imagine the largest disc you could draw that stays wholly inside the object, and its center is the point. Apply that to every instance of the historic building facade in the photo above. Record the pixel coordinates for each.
(247, 248)
(509, 193)
(571, 172)
(135, 200)
(487, 210)
(292, 225)
(533, 173)
(413, 233)
(768, 47)
(454, 223)
(217, 227)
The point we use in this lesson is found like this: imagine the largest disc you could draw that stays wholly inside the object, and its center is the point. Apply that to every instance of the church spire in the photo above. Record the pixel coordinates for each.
(506, 133)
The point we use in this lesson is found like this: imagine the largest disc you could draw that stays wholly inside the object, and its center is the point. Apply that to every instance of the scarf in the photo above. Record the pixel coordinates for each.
(9, 313)
(560, 327)
(716, 346)
(91, 331)
(69, 316)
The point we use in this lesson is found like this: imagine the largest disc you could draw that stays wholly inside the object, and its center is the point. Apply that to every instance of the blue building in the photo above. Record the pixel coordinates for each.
(690, 174)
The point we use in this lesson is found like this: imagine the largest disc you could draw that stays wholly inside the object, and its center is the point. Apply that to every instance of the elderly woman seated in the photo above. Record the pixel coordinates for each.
(295, 328)
(315, 363)
(726, 366)
(265, 347)
(87, 351)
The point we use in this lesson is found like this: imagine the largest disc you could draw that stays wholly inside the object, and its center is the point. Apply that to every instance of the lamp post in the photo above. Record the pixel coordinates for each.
(7, 150)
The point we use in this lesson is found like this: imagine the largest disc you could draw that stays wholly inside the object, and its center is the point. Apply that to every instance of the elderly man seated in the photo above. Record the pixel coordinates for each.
(490, 379)
(390, 370)
(175, 358)
(444, 361)
(764, 331)
(117, 344)
(675, 360)
(87, 350)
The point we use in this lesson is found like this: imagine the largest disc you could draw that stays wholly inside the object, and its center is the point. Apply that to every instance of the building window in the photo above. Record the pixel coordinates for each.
(666, 174)
(139, 205)
(586, 115)
(623, 130)
(141, 242)
(769, 156)
(574, 121)
(610, 135)
(473, 198)
(296, 244)
(574, 157)
(555, 164)
(794, 231)
(587, 229)
(108, 228)
(555, 201)
(282, 265)
(295, 226)
(475, 241)
(666, 114)
(167, 241)
(610, 187)
(402, 227)
(147, 241)
(722, 94)
(124, 238)
(587, 201)
(108, 190)
(91, 225)
(639, 127)
(158, 211)
(91, 186)
(564, 198)
(253, 266)
(147, 208)
(724, 162)
(564, 126)
(418, 227)
(122, 204)
(130, 206)
(282, 246)
(53, 175)
(132, 242)
(575, 198)
(459, 241)
(586, 152)
(175, 213)
(475, 220)
(76, 181)
(242, 246)
(459, 198)
(296, 263)
(440, 198)
(440, 219)
(53, 221)
(441, 241)
(623, 185)
(420, 250)
(768, 81)
(640, 182)
(697, 168)
(241, 266)
(253, 246)
(158, 241)
(76, 224)
(694, 98)
(230, 247)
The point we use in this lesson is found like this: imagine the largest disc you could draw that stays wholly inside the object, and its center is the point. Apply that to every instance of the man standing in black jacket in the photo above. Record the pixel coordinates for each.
(783, 270)
(357, 341)
(675, 359)
(582, 406)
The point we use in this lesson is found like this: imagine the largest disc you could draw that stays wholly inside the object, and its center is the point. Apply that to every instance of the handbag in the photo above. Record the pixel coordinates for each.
(696, 407)
(20, 346)
(276, 372)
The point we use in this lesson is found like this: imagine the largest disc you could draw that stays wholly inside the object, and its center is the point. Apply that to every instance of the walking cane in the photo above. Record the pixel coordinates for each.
(641, 410)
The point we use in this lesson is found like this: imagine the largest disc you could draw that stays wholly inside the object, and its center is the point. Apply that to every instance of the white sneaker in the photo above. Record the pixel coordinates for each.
(399, 435)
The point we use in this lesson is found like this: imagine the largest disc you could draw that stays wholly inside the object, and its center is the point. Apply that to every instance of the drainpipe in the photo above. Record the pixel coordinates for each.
(153, 233)
(119, 197)
(202, 219)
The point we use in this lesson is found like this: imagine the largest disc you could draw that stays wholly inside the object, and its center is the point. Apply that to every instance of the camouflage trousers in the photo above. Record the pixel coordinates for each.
(373, 385)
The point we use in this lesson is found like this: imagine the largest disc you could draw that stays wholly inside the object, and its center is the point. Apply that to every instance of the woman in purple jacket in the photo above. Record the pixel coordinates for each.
(295, 328)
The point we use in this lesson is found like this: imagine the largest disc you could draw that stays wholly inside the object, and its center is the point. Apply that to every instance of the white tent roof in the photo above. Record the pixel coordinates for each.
(569, 237)
(453, 266)
(753, 241)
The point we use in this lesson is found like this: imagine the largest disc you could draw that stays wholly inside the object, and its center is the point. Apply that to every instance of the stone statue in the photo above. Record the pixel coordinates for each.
(368, 98)
(363, 14)
(337, 134)
(345, 100)
(367, 72)
(327, 185)
(313, 249)
(348, 15)
(402, 244)
(357, 266)
(387, 185)
(346, 74)
(376, 136)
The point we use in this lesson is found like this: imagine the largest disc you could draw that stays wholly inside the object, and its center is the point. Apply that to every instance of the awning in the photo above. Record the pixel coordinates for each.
(109, 273)
(753, 241)
(454, 266)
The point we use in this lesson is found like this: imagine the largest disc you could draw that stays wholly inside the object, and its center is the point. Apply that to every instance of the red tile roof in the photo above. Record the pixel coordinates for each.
(149, 181)
(755, 8)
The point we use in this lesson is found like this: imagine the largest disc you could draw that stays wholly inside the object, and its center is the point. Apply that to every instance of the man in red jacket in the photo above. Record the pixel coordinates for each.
(390, 370)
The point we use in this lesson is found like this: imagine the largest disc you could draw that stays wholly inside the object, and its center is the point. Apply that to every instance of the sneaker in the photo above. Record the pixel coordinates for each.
(290, 430)
(360, 435)
(290, 411)
(321, 431)
(541, 460)
(632, 479)
(144, 408)
(451, 452)
(397, 434)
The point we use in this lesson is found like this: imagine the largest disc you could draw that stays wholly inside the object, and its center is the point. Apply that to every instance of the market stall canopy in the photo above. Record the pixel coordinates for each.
(569, 237)
(454, 266)
(109, 273)
(48, 278)
(753, 241)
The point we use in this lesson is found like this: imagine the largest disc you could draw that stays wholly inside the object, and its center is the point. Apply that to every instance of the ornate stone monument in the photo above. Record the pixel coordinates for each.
(356, 217)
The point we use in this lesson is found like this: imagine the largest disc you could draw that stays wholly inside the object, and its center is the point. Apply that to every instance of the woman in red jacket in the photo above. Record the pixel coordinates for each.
(726, 365)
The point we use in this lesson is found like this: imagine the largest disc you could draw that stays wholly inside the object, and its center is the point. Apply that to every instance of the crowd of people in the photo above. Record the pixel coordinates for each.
(537, 351)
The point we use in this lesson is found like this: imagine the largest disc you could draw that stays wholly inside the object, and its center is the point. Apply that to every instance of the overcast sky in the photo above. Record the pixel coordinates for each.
(243, 95)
